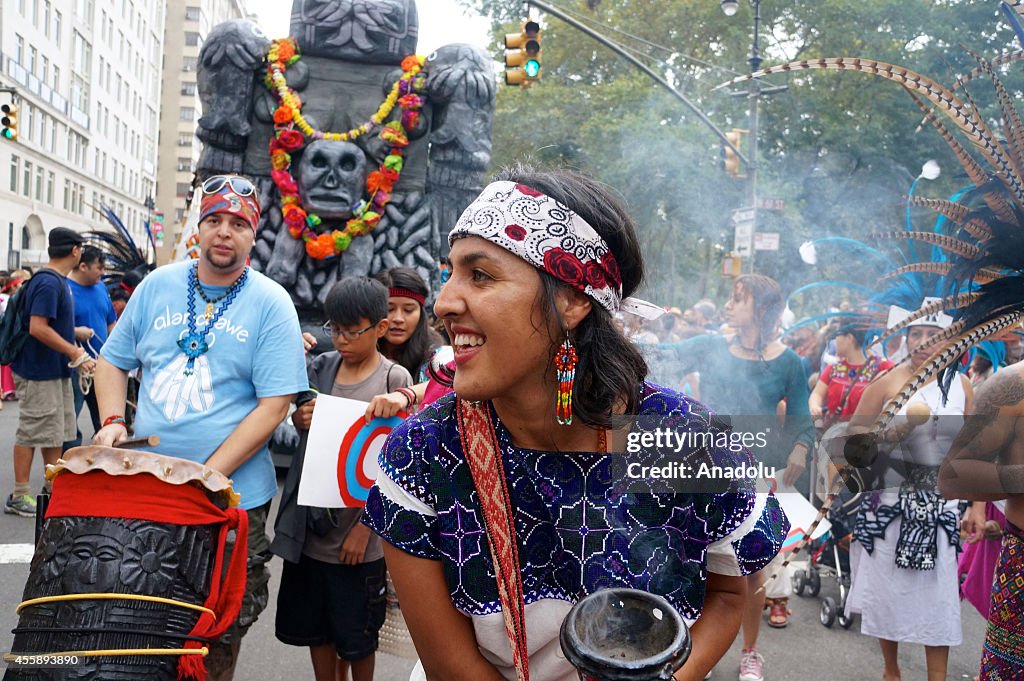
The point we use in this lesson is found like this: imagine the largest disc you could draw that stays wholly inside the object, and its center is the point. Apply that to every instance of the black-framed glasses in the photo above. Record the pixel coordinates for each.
(239, 185)
(331, 330)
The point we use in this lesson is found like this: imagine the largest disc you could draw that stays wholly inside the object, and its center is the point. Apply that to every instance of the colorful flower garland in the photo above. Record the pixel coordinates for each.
(302, 224)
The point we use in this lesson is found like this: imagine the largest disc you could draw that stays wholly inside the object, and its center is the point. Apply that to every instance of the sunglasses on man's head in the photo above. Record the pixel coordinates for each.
(239, 185)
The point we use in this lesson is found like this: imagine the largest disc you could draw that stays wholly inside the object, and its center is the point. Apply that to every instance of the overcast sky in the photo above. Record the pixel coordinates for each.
(441, 22)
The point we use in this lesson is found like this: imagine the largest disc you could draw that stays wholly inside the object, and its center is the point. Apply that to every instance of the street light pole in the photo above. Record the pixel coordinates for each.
(753, 93)
(755, 98)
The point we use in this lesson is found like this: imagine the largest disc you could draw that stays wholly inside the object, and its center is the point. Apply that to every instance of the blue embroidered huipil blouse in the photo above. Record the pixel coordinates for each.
(577, 531)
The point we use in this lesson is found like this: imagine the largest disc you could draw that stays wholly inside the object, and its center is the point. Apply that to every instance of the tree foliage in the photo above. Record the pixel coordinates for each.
(840, 149)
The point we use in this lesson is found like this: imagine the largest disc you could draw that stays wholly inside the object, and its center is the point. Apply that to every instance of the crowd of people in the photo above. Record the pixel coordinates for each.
(494, 511)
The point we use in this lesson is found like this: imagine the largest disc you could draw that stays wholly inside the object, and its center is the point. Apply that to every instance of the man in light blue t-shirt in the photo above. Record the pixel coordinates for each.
(221, 355)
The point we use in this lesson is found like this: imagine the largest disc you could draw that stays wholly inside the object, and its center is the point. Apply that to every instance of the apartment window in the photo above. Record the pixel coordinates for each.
(30, 119)
(49, 188)
(56, 78)
(187, 63)
(15, 163)
(45, 76)
(181, 189)
(82, 53)
(33, 57)
(83, 9)
(21, 7)
(74, 196)
(35, 13)
(188, 88)
(192, 14)
(184, 140)
(184, 164)
(67, 194)
(56, 26)
(52, 146)
(39, 183)
(46, 18)
(26, 179)
(79, 92)
(191, 38)
(19, 49)
(187, 113)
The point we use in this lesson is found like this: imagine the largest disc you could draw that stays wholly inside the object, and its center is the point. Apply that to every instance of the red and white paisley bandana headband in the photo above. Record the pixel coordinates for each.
(552, 238)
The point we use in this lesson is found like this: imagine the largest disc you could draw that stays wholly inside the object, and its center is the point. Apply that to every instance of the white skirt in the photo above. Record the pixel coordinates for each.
(908, 606)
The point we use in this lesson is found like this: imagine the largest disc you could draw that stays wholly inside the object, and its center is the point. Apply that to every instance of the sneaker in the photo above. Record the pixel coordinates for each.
(751, 666)
(23, 505)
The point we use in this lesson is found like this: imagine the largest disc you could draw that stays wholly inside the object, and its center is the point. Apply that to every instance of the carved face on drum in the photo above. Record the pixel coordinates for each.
(94, 565)
(331, 178)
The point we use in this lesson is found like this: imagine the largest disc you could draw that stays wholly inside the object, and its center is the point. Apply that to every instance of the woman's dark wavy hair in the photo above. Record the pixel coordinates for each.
(610, 367)
(768, 305)
(415, 352)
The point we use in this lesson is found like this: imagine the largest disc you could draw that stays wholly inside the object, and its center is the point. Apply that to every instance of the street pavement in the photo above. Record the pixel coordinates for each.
(804, 651)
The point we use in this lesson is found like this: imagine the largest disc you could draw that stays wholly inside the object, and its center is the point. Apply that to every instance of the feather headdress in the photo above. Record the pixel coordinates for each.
(127, 264)
(981, 256)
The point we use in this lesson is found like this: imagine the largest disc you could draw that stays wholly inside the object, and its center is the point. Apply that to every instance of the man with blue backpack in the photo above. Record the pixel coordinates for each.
(45, 316)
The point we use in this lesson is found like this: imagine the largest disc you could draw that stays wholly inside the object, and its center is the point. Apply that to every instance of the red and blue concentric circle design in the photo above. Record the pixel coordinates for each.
(362, 441)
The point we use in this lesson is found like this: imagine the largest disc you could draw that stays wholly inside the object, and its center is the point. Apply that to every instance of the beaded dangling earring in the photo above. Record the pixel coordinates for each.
(565, 363)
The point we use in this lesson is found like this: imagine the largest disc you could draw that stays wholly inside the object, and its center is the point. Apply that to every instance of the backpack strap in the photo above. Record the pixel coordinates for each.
(480, 446)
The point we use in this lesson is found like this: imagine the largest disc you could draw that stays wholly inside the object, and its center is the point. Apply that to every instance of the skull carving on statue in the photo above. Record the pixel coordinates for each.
(331, 178)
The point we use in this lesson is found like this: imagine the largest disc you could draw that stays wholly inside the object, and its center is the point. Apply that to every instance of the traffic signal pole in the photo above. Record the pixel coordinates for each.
(617, 49)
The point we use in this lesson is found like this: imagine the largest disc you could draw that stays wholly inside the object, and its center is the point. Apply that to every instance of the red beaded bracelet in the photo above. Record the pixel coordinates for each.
(116, 418)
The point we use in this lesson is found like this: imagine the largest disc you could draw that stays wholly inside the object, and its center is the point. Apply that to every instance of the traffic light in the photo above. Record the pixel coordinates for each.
(9, 121)
(730, 159)
(522, 55)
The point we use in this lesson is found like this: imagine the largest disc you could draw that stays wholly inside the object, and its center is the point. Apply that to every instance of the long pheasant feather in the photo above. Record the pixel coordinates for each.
(947, 303)
(943, 241)
(974, 170)
(941, 269)
(1012, 129)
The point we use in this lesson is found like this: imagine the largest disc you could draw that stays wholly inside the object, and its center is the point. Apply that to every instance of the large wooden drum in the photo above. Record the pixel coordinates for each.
(128, 580)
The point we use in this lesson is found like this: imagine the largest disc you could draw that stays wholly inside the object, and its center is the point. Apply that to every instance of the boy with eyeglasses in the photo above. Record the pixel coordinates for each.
(332, 586)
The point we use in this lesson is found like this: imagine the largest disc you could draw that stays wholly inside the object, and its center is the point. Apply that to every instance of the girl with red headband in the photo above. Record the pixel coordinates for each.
(410, 340)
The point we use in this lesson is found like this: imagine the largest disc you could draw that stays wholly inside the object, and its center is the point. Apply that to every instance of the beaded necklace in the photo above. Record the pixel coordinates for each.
(210, 303)
(194, 344)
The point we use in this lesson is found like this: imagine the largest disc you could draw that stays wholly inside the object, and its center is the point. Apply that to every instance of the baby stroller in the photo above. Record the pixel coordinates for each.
(830, 553)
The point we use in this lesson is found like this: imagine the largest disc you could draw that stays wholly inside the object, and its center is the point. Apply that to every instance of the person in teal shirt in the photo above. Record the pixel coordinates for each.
(751, 377)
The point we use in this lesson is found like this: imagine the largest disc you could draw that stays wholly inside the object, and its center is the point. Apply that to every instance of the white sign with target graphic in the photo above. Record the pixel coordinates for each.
(341, 453)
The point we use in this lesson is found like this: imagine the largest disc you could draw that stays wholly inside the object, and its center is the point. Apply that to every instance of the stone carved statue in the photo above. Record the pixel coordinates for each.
(351, 52)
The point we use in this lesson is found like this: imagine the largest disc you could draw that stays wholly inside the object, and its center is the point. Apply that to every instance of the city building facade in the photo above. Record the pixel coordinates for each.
(85, 76)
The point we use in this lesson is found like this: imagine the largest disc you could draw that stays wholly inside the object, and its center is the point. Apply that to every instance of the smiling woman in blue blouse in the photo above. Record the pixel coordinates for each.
(540, 262)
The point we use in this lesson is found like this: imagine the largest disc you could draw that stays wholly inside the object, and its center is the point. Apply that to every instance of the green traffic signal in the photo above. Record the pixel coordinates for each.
(532, 68)
(7, 134)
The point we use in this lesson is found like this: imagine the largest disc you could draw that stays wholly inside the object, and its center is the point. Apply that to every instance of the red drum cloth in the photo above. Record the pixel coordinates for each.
(144, 497)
